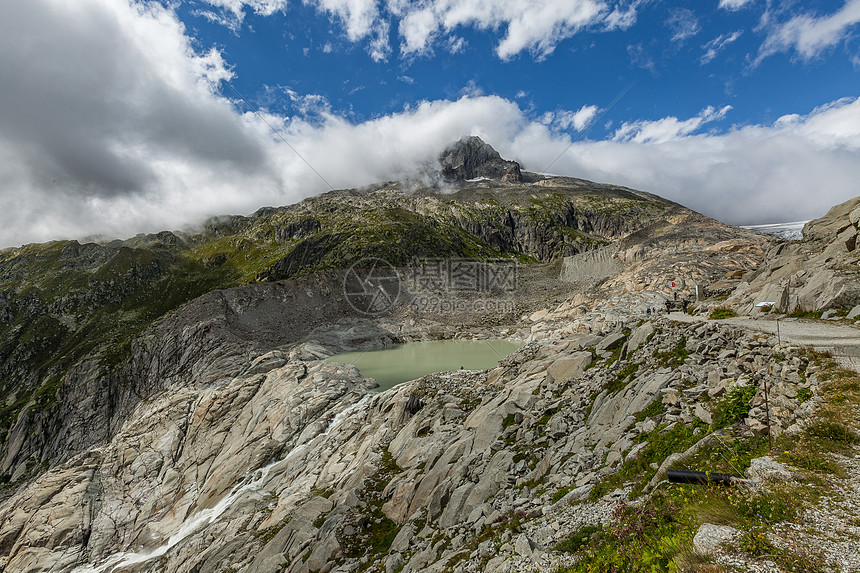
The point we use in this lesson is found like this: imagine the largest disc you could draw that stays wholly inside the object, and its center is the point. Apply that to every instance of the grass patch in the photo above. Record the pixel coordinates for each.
(656, 534)
(642, 538)
(800, 313)
(376, 532)
(833, 435)
(722, 312)
(590, 406)
(660, 445)
(621, 379)
(558, 495)
(653, 409)
(578, 539)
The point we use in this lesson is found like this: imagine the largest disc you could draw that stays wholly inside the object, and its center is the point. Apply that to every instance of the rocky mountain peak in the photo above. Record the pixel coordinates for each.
(471, 158)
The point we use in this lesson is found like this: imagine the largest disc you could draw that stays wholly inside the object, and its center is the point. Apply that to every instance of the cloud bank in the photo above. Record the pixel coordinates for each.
(112, 123)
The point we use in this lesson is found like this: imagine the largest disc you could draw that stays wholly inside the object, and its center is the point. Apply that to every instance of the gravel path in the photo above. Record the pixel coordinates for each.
(842, 340)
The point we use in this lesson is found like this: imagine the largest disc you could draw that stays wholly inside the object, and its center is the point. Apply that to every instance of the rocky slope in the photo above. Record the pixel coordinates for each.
(291, 464)
(818, 273)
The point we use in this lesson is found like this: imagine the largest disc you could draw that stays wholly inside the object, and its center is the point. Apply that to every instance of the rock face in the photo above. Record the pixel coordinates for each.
(471, 158)
(819, 273)
(78, 345)
(80, 341)
(710, 537)
(673, 257)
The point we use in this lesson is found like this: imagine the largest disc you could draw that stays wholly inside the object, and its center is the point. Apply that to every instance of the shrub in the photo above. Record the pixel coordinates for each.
(734, 407)
(722, 312)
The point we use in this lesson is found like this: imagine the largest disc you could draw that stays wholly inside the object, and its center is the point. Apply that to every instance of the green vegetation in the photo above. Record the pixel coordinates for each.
(734, 407)
(376, 533)
(661, 443)
(656, 534)
(675, 357)
(800, 313)
(614, 357)
(578, 539)
(511, 521)
(621, 379)
(556, 497)
(722, 312)
(590, 406)
(655, 408)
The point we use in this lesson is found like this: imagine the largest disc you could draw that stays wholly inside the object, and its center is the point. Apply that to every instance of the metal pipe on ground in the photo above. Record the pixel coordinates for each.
(702, 478)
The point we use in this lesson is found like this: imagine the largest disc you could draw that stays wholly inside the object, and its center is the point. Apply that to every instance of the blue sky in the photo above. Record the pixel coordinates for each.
(680, 58)
(121, 116)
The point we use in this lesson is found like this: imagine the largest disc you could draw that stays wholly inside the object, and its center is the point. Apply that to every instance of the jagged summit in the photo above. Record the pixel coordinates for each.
(471, 158)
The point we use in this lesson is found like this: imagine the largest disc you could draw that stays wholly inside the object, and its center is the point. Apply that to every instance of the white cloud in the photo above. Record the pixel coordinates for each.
(717, 45)
(361, 19)
(683, 24)
(640, 57)
(667, 128)
(116, 127)
(534, 25)
(566, 119)
(795, 169)
(734, 4)
(809, 35)
(111, 105)
(623, 16)
(457, 45)
(232, 12)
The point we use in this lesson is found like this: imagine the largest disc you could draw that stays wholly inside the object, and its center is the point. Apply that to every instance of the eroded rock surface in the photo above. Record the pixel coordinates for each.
(293, 464)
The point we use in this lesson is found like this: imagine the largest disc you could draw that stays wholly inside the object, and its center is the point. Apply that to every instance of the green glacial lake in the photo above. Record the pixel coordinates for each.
(404, 362)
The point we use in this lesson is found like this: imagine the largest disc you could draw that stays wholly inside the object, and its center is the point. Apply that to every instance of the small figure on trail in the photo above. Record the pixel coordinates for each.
(648, 311)
(676, 296)
(685, 303)
(589, 330)
(668, 307)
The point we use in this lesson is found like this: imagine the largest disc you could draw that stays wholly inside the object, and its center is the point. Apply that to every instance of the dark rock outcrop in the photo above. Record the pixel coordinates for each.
(297, 229)
(471, 158)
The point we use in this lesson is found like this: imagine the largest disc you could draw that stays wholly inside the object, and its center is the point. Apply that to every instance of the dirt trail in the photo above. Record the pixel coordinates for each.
(842, 340)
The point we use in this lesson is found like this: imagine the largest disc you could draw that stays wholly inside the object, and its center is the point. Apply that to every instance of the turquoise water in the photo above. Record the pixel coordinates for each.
(404, 362)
